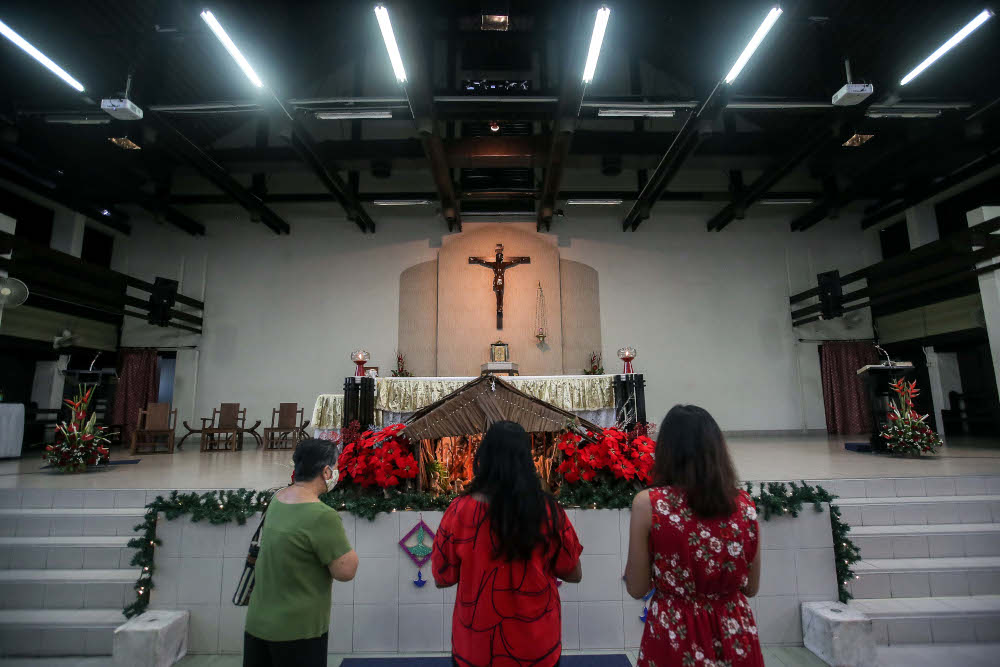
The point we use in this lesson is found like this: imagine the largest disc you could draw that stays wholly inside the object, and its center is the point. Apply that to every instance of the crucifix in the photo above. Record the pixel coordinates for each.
(499, 266)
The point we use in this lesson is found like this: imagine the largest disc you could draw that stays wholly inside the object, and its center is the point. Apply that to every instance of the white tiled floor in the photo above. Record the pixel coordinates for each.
(811, 457)
(773, 657)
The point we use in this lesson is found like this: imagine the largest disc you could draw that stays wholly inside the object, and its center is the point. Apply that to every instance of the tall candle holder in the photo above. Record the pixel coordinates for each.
(627, 354)
(360, 357)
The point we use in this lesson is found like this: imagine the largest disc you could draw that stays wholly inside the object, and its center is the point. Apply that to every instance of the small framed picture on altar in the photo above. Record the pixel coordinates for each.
(371, 371)
(499, 352)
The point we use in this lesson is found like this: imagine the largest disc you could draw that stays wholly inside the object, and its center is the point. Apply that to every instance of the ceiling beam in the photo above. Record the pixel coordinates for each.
(686, 141)
(304, 146)
(572, 89)
(417, 88)
(746, 197)
(914, 196)
(183, 148)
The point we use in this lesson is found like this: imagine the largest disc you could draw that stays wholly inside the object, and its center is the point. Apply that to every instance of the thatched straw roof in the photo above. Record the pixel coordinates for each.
(473, 407)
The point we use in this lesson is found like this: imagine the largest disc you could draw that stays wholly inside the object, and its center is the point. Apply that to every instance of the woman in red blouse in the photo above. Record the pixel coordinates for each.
(505, 542)
(693, 538)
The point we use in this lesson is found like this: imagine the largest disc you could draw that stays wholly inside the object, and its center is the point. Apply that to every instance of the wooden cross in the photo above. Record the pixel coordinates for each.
(498, 265)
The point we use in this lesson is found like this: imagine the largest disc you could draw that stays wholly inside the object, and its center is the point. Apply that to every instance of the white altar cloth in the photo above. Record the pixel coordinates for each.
(396, 398)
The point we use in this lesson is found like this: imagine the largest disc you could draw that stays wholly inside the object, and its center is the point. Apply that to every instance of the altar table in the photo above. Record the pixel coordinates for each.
(591, 397)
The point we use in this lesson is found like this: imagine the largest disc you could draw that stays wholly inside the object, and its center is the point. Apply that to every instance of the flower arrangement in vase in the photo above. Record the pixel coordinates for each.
(401, 371)
(613, 454)
(80, 443)
(596, 365)
(907, 432)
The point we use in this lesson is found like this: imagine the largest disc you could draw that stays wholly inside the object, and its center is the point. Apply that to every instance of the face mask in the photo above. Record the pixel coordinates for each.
(332, 482)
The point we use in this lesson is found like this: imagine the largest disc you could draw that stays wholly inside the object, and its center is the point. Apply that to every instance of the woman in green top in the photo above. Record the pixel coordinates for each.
(303, 549)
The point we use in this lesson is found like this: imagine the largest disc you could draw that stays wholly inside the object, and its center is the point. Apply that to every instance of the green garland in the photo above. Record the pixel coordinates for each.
(778, 499)
(222, 507)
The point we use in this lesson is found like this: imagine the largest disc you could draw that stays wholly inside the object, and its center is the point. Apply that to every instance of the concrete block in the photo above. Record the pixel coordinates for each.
(152, 639)
(839, 635)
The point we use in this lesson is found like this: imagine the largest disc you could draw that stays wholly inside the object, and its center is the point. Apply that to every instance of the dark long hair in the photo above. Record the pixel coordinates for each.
(691, 454)
(522, 515)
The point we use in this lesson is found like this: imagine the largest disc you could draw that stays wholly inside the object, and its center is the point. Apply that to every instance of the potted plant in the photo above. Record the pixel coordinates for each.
(907, 432)
(80, 443)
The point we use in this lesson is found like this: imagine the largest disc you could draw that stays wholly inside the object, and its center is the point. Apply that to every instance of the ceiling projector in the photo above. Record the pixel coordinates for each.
(852, 93)
(121, 109)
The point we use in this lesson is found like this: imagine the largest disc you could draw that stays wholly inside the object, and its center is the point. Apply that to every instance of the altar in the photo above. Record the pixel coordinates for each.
(591, 397)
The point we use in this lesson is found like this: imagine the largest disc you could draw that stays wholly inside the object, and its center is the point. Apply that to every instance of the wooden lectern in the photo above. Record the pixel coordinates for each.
(876, 379)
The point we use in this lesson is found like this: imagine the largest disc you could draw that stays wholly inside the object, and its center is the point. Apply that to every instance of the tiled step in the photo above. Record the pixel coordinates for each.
(66, 589)
(890, 487)
(69, 522)
(982, 654)
(928, 541)
(925, 577)
(51, 632)
(937, 620)
(77, 498)
(918, 510)
(65, 553)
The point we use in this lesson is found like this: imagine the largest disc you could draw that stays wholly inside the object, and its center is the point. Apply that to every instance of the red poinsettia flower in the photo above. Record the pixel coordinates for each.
(588, 475)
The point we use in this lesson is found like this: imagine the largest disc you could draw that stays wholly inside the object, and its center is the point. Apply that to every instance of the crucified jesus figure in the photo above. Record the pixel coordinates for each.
(499, 266)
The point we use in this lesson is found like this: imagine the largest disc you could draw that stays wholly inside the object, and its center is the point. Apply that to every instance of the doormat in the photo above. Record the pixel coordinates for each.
(104, 466)
(605, 660)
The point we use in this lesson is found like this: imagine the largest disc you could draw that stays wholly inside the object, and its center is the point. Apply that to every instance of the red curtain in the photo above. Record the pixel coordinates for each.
(138, 385)
(844, 398)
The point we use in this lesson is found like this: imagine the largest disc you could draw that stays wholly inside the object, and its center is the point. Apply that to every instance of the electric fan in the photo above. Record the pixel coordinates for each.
(12, 293)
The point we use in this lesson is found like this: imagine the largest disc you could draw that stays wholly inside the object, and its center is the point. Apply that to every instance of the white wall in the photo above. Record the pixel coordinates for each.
(708, 313)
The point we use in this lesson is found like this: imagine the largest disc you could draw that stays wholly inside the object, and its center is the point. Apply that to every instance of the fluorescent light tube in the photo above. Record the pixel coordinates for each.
(216, 27)
(39, 56)
(382, 14)
(779, 202)
(755, 41)
(77, 120)
(636, 113)
(356, 114)
(600, 25)
(903, 114)
(947, 46)
(402, 202)
(593, 202)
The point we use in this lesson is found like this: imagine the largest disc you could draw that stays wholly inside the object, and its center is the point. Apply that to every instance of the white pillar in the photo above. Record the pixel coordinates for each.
(938, 396)
(47, 386)
(921, 224)
(67, 232)
(989, 289)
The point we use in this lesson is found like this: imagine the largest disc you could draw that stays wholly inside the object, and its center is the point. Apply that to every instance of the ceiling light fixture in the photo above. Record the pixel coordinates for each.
(402, 202)
(788, 201)
(39, 56)
(636, 113)
(600, 25)
(857, 140)
(357, 114)
(125, 143)
(948, 46)
(755, 41)
(498, 22)
(77, 120)
(904, 114)
(593, 202)
(217, 28)
(382, 14)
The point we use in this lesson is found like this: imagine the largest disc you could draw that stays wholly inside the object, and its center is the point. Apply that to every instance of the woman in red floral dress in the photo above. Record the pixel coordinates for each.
(505, 542)
(693, 538)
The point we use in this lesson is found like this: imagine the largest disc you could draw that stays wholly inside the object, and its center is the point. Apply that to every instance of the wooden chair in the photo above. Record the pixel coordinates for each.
(156, 425)
(223, 431)
(289, 429)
